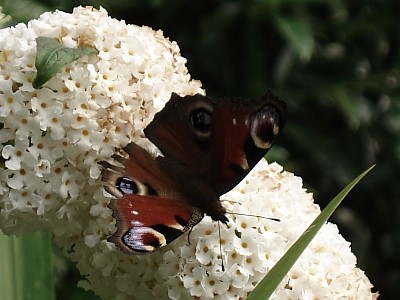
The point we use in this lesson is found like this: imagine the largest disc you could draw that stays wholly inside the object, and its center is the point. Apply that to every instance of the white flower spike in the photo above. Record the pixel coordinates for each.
(52, 138)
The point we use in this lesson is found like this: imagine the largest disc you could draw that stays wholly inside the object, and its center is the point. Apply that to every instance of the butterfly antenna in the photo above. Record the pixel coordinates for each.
(266, 218)
(220, 246)
(188, 236)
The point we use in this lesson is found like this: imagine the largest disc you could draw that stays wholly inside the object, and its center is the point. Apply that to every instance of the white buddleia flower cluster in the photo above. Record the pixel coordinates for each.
(52, 138)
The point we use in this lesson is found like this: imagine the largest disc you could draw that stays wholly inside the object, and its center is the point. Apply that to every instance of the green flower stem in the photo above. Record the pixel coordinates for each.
(26, 267)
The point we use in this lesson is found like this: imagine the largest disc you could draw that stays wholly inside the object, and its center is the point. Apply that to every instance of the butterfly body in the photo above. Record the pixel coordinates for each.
(208, 148)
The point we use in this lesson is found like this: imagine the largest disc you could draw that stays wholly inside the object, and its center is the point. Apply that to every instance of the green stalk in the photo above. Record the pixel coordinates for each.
(26, 267)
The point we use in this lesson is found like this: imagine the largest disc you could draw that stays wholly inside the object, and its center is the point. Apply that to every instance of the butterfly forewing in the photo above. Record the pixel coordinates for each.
(172, 131)
(149, 212)
(242, 133)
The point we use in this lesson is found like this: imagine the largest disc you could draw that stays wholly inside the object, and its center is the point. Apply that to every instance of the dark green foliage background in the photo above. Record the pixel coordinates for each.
(336, 64)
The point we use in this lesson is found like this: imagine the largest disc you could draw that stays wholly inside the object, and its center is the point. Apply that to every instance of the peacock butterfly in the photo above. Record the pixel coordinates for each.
(208, 147)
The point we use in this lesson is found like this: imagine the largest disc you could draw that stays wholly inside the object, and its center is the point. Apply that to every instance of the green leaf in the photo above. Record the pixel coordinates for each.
(274, 277)
(299, 35)
(23, 10)
(26, 267)
(51, 56)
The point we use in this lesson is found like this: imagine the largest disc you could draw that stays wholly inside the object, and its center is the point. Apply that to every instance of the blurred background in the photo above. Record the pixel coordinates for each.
(336, 64)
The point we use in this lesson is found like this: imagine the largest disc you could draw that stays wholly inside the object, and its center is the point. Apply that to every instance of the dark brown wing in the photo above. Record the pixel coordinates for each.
(242, 132)
(147, 223)
(149, 210)
(179, 141)
(221, 142)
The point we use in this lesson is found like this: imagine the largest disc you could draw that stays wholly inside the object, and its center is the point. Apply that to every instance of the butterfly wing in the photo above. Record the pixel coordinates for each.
(172, 131)
(221, 141)
(147, 223)
(149, 212)
(242, 132)
(207, 149)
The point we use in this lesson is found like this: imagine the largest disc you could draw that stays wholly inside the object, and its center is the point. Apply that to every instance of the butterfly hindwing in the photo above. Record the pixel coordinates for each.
(149, 213)
(147, 223)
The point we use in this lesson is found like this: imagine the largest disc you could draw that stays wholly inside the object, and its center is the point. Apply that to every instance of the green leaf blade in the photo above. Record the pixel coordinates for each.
(26, 267)
(275, 276)
(51, 56)
(298, 33)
